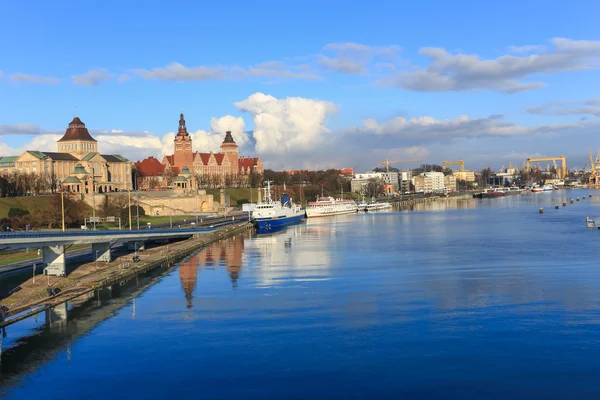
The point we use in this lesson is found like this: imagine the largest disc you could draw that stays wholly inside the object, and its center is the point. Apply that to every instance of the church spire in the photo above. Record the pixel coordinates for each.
(182, 128)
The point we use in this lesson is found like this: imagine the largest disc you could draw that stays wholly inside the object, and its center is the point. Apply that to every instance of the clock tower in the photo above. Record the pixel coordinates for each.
(183, 155)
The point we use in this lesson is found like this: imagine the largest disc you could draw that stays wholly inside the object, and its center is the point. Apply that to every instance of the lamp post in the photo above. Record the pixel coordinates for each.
(62, 201)
(170, 214)
(129, 206)
(94, 202)
(97, 260)
(196, 207)
(137, 210)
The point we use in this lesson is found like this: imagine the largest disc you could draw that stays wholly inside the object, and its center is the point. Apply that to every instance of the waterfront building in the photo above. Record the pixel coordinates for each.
(450, 183)
(226, 162)
(432, 182)
(465, 175)
(389, 179)
(76, 166)
(221, 165)
(405, 178)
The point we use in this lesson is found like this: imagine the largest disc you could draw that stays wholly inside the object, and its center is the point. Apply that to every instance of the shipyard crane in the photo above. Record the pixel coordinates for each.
(562, 172)
(387, 163)
(459, 162)
(593, 179)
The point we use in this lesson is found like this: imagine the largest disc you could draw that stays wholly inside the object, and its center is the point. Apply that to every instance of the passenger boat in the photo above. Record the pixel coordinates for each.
(362, 206)
(375, 206)
(270, 214)
(325, 206)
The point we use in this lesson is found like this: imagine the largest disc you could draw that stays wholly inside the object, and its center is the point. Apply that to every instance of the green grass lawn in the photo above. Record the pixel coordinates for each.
(24, 255)
(26, 202)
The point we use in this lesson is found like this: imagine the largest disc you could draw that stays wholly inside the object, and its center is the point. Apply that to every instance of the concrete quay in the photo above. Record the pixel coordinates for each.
(33, 297)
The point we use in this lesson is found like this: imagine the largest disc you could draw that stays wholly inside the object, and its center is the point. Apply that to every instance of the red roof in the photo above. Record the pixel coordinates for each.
(170, 159)
(77, 131)
(219, 157)
(247, 162)
(204, 157)
(150, 167)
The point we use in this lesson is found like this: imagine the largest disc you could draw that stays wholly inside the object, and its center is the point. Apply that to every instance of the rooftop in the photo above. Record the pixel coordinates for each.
(77, 131)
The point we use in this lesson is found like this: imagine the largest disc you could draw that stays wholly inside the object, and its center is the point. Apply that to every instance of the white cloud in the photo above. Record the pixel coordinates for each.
(93, 77)
(354, 58)
(526, 49)
(344, 65)
(124, 78)
(27, 78)
(293, 124)
(19, 129)
(276, 69)
(460, 72)
(179, 72)
(590, 106)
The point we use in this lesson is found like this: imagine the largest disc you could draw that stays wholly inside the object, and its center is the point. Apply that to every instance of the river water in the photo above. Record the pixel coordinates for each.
(459, 299)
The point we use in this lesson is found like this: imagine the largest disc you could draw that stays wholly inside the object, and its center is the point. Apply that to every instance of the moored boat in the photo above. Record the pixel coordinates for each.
(325, 206)
(377, 206)
(271, 214)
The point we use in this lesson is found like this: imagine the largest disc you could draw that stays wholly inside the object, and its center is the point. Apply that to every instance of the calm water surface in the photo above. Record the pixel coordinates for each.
(479, 299)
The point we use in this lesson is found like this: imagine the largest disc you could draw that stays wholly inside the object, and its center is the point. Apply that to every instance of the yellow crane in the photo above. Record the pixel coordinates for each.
(387, 163)
(562, 172)
(593, 179)
(459, 162)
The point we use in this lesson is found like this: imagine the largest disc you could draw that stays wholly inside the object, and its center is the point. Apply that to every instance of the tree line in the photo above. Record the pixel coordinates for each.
(18, 183)
(75, 209)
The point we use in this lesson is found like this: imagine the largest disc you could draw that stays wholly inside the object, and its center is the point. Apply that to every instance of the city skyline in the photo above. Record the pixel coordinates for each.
(311, 86)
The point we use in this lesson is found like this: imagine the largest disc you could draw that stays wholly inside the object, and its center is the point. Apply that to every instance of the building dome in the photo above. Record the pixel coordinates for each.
(228, 138)
(77, 131)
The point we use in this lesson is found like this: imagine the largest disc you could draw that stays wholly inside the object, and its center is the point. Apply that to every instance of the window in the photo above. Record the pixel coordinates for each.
(35, 170)
(33, 163)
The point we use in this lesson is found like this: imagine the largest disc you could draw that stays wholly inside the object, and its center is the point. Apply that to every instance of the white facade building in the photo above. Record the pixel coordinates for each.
(360, 180)
(433, 182)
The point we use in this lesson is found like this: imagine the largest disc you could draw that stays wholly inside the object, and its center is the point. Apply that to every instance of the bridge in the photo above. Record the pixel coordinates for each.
(52, 243)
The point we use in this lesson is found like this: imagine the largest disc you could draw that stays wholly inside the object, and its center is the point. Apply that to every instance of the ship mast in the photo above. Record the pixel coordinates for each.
(268, 191)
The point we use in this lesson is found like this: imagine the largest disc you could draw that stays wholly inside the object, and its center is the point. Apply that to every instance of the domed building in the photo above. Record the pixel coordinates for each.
(77, 165)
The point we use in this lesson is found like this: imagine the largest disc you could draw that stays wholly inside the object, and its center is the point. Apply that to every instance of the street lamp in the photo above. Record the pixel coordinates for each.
(137, 210)
(94, 201)
(170, 214)
(97, 260)
(196, 207)
(129, 206)
(62, 201)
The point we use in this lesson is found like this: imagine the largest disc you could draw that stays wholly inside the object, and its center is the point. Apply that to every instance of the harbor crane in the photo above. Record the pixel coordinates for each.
(562, 172)
(593, 180)
(459, 162)
(387, 163)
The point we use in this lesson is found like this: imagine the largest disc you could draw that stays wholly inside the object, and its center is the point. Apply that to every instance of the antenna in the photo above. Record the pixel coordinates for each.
(76, 111)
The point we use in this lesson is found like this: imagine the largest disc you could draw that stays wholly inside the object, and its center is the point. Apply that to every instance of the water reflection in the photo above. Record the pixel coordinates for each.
(294, 254)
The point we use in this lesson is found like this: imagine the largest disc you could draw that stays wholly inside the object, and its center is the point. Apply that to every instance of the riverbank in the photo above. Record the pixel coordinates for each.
(409, 203)
(33, 298)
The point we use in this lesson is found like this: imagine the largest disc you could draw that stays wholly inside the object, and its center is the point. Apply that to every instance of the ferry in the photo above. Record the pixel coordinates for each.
(271, 214)
(375, 206)
(488, 193)
(325, 206)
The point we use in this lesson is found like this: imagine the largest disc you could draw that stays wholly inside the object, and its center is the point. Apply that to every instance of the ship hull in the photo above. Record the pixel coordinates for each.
(277, 222)
(315, 214)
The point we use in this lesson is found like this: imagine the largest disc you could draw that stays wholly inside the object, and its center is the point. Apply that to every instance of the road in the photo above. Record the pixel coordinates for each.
(86, 254)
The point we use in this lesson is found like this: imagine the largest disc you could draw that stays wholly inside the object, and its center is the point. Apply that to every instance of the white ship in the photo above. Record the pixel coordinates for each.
(271, 214)
(375, 206)
(325, 206)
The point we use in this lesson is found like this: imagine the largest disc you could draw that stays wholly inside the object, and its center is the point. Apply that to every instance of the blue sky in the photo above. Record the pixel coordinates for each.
(307, 84)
